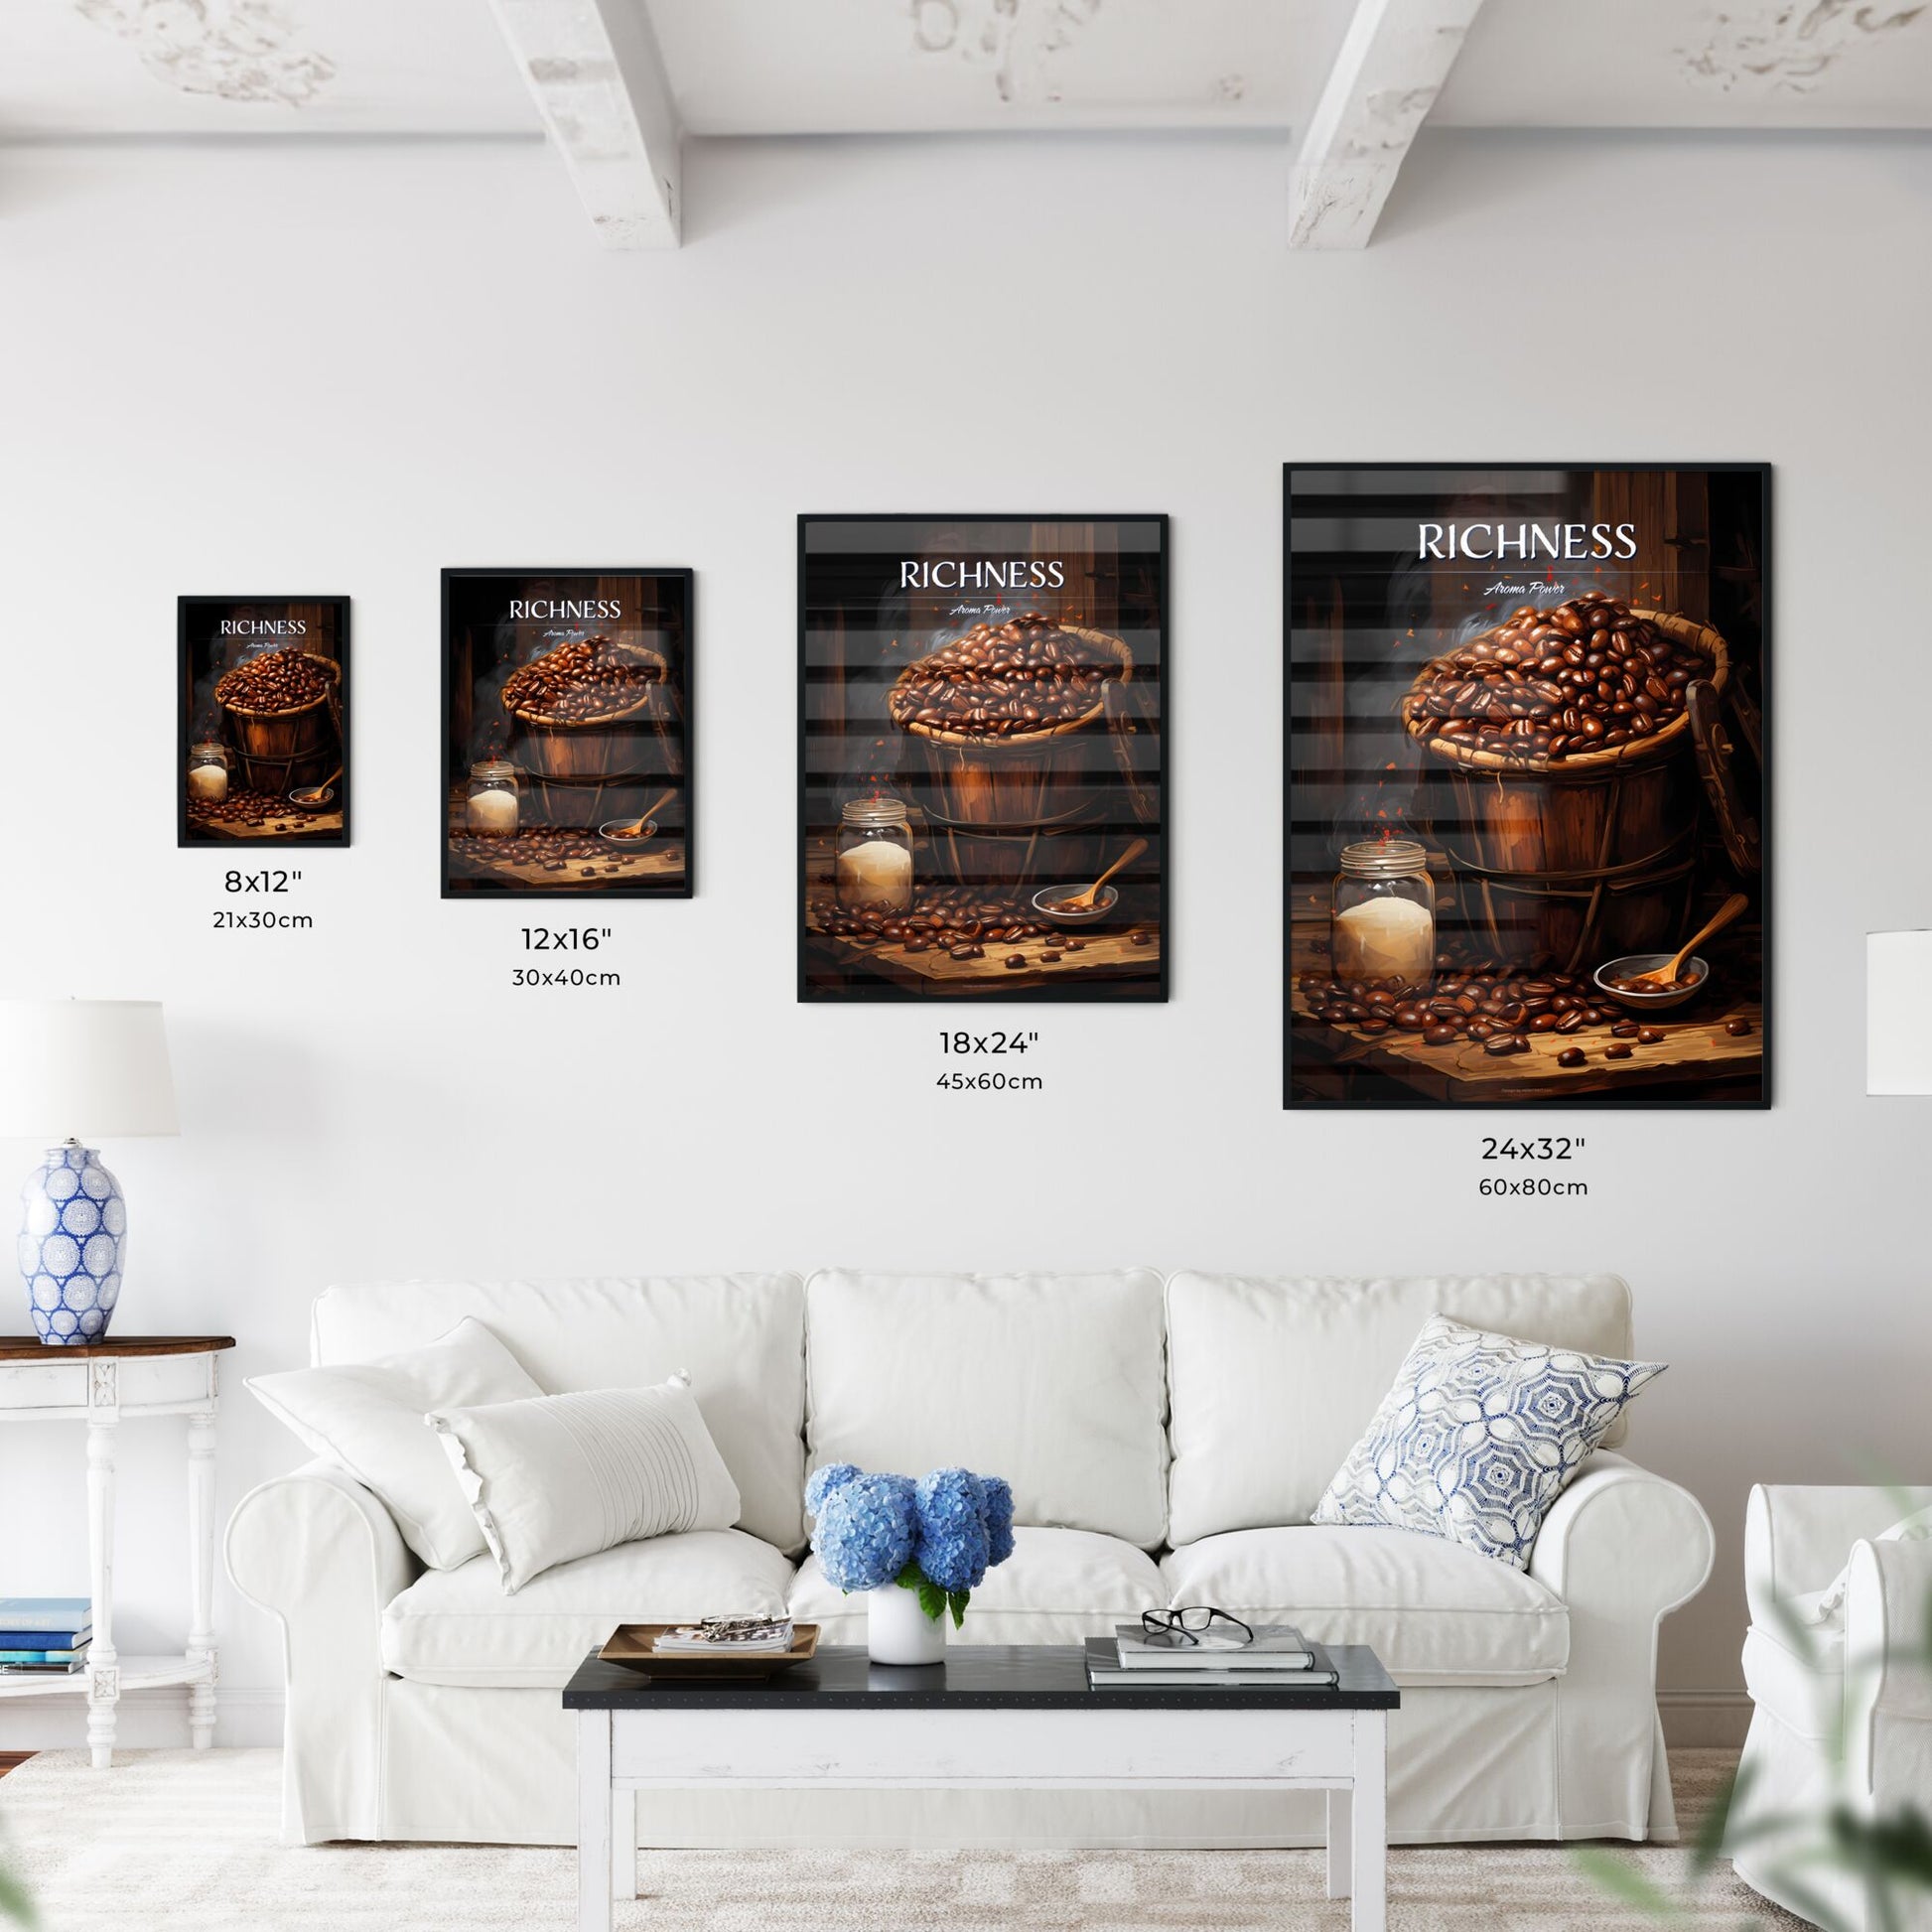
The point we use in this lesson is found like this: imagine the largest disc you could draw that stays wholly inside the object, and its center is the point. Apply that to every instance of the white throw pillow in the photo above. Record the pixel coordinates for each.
(1830, 1603)
(367, 1418)
(1478, 1435)
(559, 1477)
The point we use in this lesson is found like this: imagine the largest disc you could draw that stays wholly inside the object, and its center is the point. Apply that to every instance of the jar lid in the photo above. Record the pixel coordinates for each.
(500, 769)
(874, 811)
(1385, 859)
(209, 748)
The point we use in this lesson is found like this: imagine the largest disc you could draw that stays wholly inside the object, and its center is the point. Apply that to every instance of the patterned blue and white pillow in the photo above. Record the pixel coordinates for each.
(1480, 1435)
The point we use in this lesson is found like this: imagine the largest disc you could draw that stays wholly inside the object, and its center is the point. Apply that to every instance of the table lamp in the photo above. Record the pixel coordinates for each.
(1899, 1013)
(92, 1070)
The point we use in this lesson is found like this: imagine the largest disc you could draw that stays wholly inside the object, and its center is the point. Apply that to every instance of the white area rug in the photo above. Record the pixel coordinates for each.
(170, 1841)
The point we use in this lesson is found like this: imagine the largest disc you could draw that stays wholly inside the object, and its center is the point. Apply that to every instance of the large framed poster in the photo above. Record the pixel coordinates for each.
(261, 721)
(567, 741)
(1526, 768)
(982, 717)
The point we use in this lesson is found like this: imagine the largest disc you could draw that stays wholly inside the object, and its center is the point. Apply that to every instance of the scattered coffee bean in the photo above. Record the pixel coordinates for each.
(1050, 959)
(1617, 1049)
(1739, 1026)
(1572, 1057)
(1015, 960)
(1627, 1030)
(1650, 1037)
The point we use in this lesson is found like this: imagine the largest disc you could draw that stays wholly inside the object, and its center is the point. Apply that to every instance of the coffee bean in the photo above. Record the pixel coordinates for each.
(1498, 1044)
(1016, 960)
(1617, 1049)
(1572, 1057)
(1440, 1035)
(1627, 1030)
(1650, 1037)
(1739, 1026)
(1572, 1022)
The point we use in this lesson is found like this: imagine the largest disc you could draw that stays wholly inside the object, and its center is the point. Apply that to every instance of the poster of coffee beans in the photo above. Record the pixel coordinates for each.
(1527, 798)
(567, 734)
(983, 757)
(262, 726)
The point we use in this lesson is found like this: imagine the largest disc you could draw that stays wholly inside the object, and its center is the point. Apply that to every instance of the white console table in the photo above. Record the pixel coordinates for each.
(102, 1384)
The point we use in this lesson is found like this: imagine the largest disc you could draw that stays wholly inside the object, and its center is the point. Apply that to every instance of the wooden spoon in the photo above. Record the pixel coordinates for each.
(312, 794)
(1083, 901)
(1664, 979)
(638, 823)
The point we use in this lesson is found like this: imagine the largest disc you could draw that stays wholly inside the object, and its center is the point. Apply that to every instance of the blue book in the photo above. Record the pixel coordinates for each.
(61, 1614)
(74, 1656)
(46, 1639)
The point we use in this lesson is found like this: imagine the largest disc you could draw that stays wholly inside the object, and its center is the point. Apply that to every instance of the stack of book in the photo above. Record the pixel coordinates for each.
(737, 1636)
(1278, 1657)
(45, 1634)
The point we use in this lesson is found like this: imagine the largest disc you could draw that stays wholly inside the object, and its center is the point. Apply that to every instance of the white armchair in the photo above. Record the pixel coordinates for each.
(1843, 1707)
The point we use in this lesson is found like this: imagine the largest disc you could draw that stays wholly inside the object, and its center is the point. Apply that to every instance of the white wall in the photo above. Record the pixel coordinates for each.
(338, 369)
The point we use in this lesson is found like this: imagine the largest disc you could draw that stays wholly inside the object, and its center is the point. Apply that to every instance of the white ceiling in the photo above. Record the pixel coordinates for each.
(774, 66)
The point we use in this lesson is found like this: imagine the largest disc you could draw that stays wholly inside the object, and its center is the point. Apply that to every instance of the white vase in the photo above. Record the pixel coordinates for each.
(897, 1631)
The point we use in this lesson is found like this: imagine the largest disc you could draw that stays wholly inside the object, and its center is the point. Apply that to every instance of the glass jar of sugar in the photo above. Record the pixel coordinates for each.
(1382, 913)
(208, 773)
(492, 808)
(874, 869)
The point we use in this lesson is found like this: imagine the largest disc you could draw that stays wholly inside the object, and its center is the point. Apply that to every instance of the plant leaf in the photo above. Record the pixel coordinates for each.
(1625, 1882)
(911, 1577)
(958, 1602)
(14, 1901)
(1709, 1845)
(932, 1599)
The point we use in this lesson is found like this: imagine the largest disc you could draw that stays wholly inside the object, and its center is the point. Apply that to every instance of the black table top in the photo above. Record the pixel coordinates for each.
(995, 1677)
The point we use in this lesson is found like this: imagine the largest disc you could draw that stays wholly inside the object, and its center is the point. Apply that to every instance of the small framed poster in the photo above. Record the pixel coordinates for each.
(567, 742)
(982, 741)
(262, 720)
(1526, 770)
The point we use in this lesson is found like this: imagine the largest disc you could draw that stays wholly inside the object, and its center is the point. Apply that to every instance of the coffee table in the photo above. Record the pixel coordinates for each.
(1014, 1716)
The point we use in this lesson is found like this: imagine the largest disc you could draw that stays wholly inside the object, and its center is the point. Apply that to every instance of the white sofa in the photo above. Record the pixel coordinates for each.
(1165, 1444)
(1822, 1734)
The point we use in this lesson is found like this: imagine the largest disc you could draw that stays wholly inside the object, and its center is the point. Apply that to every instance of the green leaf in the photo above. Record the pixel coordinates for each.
(957, 1602)
(1626, 1882)
(932, 1599)
(14, 1901)
(1709, 1845)
(911, 1577)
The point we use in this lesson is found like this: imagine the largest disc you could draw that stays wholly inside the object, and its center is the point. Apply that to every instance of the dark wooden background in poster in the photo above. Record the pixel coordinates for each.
(646, 758)
(858, 631)
(203, 657)
(1364, 613)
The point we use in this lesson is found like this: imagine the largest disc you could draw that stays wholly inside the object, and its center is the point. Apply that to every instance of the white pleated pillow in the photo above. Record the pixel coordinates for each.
(560, 1476)
(367, 1418)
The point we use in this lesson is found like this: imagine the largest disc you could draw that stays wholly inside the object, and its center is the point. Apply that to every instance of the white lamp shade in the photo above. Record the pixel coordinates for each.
(1899, 1013)
(92, 1070)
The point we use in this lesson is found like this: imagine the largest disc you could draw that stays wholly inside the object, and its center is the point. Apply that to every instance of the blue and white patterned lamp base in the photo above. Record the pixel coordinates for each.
(73, 1236)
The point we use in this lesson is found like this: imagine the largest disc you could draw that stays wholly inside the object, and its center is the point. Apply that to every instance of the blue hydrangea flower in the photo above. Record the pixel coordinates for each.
(996, 1495)
(834, 1476)
(953, 1548)
(865, 1530)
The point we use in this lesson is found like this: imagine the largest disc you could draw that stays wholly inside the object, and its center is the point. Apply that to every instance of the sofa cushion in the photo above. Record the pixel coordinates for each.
(456, 1626)
(1057, 1586)
(1272, 1380)
(740, 1337)
(1435, 1613)
(1055, 1382)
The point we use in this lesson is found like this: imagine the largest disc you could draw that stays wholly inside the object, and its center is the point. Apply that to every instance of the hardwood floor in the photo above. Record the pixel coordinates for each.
(8, 1760)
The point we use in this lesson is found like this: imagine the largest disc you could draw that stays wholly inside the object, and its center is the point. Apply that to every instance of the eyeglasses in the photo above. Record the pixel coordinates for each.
(1182, 1628)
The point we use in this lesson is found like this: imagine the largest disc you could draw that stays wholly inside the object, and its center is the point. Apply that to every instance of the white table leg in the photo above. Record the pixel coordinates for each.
(593, 1820)
(104, 1671)
(1340, 1835)
(623, 1845)
(201, 1550)
(1370, 1909)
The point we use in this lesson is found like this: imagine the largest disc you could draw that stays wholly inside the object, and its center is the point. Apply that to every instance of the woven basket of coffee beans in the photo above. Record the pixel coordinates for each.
(280, 719)
(1590, 683)
(1013, 683)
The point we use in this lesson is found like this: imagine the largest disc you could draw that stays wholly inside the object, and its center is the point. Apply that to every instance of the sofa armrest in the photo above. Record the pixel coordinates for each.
(1888, 1671)
(1797, 1537)
(322, 1556)
(1622, 1548)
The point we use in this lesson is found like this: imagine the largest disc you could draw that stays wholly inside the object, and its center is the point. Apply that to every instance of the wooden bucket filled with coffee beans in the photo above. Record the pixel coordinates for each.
(283, 719)
(593, 726)
(1561, 779)
(1011, 721)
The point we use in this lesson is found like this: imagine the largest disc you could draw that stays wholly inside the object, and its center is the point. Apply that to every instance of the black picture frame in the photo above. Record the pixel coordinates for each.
(1756, 577)
(681, 728)
(194, 709)
(1153, 986)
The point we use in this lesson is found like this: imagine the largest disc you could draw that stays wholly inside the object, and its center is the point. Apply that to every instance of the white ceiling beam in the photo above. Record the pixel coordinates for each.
(599, 81)
(1393, 62)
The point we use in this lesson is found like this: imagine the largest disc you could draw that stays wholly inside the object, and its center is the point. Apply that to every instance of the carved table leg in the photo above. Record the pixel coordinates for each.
(201, 1548)
(103, 1672)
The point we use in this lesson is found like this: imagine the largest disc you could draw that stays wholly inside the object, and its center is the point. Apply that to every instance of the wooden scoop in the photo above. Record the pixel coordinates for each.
(1665, 977)
(1083, 901)
(314, 794)
(637, 824)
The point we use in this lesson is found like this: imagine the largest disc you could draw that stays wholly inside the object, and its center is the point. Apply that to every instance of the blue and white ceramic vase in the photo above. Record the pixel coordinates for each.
(72, 1237)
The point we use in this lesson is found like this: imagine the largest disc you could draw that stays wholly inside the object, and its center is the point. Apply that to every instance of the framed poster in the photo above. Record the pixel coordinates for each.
(982, 738)
(1526, 766)
(262, 756)
(567, 744)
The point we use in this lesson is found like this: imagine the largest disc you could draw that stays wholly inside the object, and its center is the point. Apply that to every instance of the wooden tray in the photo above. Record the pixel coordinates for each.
(631, 1645)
